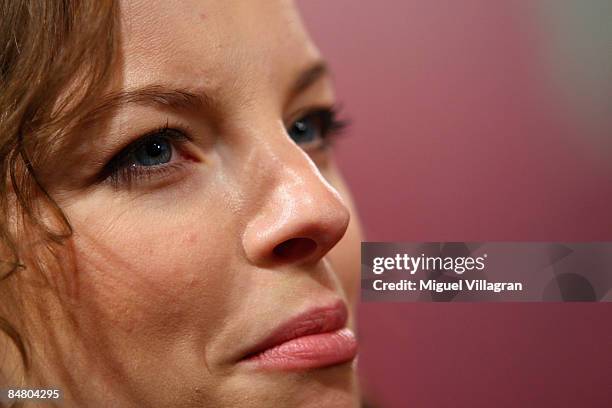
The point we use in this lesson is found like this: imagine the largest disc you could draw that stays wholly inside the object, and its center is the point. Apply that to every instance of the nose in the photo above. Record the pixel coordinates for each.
(300, 218)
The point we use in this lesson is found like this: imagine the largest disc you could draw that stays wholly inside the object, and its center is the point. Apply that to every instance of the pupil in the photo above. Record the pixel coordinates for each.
(303, 131)
(154, 149)
(300, 126)
(154, 152)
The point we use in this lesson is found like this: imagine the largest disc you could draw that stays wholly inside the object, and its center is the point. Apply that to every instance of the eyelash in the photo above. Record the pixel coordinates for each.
(119, 171)
(331, 126)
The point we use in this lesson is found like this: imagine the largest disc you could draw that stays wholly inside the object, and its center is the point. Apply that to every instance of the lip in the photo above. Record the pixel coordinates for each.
(314, 339)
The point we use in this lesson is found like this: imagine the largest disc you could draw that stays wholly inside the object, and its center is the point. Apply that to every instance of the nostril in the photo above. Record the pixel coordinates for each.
(295, 248)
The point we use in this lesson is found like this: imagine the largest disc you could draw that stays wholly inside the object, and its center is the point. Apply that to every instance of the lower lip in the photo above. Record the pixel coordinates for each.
(313, 351)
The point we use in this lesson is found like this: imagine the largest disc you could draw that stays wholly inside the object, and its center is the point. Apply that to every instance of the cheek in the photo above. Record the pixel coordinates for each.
(152, 273)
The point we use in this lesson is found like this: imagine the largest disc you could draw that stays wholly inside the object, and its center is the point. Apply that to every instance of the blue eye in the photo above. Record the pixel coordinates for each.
(305, 131)
(315, 128)
(153, 152)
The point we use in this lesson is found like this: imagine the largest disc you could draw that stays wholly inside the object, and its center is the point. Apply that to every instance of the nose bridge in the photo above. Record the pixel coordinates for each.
(297, 215)
(277, 167)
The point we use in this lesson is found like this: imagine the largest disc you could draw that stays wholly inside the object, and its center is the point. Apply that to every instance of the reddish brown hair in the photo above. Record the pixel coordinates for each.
(55, 59)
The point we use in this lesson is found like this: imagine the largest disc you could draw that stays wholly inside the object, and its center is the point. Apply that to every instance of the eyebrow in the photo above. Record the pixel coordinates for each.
(162, 96)
(308, 77)
(156, 95)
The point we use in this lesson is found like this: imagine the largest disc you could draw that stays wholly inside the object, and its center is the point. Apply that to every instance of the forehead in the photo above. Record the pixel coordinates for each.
(213, 44)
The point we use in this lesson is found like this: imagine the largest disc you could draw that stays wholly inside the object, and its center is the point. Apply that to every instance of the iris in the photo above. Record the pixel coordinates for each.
(157, 150)
(305, 130)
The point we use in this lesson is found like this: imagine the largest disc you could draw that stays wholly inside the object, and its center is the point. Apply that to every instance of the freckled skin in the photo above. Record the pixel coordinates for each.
(170, 283)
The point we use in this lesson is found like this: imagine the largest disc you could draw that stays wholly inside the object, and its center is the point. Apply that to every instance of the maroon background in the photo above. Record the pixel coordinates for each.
(478, 120)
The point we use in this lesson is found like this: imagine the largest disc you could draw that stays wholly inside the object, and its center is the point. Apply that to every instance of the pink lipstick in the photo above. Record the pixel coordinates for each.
(315, 339)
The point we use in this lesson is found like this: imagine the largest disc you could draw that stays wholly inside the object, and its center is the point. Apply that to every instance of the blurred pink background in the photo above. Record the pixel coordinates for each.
(478, 120)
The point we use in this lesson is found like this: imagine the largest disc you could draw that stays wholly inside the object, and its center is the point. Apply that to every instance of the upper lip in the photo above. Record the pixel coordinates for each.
(322, 319)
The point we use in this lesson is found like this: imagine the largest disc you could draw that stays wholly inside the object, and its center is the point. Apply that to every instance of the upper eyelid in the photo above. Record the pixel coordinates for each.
(171, 133)
(132, 147)
(305, 112)
(175, 136)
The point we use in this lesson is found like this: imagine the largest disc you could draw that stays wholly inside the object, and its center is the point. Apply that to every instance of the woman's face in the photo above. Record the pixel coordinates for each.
(210, 223)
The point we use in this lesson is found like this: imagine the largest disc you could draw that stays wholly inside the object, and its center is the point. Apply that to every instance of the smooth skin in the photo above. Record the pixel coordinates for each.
(169, 277)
